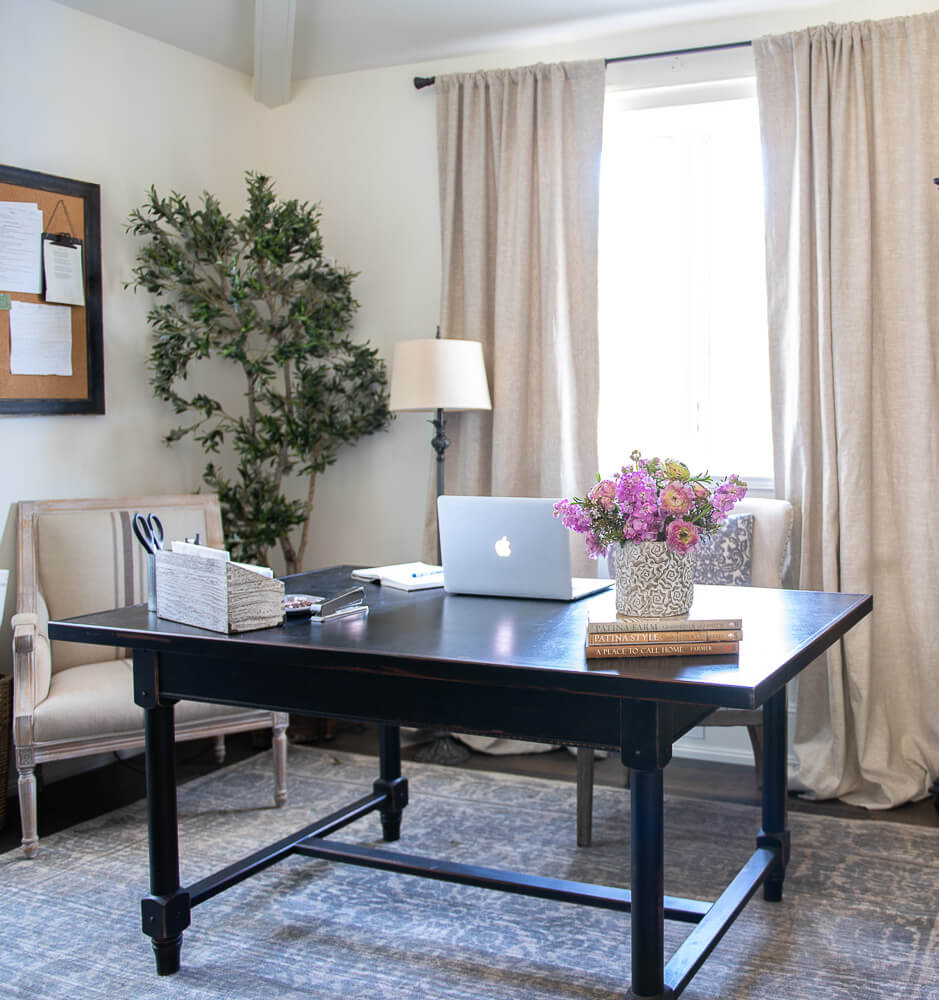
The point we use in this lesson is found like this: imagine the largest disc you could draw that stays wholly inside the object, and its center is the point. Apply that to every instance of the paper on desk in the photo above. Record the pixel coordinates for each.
(40, 339)
(403, 576)
(207, 552)
(63, 271)
(20, 239)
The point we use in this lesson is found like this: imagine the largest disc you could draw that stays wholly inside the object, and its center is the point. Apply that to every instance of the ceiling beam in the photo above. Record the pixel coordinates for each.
(273, 50)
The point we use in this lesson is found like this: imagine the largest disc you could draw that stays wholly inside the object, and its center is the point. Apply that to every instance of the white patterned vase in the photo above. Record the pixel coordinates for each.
(651, 580)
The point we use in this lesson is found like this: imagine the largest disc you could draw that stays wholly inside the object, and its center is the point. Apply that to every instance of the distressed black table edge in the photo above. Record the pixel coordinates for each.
(502, 667)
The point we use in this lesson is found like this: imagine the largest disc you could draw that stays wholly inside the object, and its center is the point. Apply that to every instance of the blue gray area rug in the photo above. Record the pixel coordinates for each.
(859, 920)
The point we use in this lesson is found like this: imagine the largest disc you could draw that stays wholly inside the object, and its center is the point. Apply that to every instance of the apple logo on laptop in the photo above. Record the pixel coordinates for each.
(503, 547)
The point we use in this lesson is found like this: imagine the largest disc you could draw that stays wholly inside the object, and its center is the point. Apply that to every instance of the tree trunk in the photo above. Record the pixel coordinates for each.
(304, 534)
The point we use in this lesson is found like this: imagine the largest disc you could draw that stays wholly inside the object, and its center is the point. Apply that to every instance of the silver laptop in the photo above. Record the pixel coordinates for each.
(508, 547)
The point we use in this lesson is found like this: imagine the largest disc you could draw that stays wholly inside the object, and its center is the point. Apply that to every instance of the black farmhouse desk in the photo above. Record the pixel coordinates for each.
(496, 666)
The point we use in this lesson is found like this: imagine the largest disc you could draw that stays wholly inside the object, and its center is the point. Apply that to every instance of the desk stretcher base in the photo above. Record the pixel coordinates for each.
(712, 919)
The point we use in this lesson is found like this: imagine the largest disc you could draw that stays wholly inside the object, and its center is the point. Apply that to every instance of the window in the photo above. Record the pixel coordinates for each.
(683, 338)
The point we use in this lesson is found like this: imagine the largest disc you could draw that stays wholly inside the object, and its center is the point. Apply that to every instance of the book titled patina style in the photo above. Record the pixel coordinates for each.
(629, 638)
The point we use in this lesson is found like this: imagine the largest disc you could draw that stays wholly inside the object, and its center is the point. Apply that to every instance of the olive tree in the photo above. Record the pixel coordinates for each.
(258, 293)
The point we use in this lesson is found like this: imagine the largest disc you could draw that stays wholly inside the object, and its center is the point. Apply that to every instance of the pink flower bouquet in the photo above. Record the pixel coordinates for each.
(651, 500)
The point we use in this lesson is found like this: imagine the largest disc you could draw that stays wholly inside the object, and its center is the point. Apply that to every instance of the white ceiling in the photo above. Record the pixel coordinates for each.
(295, 39)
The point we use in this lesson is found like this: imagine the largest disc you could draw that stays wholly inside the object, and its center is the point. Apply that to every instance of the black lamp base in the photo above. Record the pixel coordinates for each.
(442, 749)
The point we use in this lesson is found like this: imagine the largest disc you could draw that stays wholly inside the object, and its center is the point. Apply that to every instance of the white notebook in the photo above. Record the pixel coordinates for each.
(403, 576)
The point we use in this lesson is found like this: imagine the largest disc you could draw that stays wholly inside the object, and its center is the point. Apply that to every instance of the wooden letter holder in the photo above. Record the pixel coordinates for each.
(214, 594)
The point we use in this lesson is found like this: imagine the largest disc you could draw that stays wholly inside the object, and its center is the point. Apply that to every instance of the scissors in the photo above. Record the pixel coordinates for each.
(149, 531)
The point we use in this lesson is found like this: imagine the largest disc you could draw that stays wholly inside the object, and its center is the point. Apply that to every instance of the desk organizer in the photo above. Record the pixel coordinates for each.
(214, 594)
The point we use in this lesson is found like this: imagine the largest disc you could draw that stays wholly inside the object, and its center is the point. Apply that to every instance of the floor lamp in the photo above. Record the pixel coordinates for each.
(437, 375)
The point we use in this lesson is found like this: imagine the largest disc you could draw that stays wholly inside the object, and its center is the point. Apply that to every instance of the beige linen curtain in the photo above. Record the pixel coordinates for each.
(519, 162)
(519, 169)
(850, 120)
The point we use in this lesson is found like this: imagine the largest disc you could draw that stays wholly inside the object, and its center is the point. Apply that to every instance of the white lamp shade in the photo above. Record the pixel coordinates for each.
(439, 375)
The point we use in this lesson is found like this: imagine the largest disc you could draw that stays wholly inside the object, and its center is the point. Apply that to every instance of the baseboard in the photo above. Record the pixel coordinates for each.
(719, 754)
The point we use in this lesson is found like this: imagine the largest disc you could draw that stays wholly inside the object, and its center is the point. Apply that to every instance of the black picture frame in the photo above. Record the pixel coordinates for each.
(93, 399)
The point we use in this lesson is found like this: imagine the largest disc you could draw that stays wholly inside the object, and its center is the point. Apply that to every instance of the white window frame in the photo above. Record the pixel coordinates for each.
(629, 95)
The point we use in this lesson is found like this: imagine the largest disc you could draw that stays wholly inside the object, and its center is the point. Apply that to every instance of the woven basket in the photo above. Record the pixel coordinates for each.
(6, 688)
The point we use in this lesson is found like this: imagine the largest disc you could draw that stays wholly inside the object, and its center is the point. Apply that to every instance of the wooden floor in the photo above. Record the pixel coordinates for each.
(73, 800)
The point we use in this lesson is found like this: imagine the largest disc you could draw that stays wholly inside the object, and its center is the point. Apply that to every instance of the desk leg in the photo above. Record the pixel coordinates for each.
(774, 833)
(165, 912)
(390, 782)
(647, 883)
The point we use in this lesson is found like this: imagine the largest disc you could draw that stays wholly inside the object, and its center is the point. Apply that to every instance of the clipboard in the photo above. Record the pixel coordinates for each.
(66, 284)
(62, 239)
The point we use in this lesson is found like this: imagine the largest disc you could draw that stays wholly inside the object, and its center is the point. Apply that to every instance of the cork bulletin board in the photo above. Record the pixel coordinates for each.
(69, 208)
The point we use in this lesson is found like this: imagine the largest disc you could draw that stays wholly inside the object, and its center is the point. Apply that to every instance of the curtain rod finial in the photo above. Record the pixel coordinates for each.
(420, 82)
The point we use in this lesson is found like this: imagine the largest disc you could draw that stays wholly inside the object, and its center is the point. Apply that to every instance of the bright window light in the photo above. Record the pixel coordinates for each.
(683, 339)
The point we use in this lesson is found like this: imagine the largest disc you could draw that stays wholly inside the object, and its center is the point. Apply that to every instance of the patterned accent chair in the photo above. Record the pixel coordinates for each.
(749, 551)
(71, 699)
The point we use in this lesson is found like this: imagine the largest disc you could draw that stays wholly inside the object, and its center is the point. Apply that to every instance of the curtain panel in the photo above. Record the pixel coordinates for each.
(519, 172)
(519, 165)
(849, 119)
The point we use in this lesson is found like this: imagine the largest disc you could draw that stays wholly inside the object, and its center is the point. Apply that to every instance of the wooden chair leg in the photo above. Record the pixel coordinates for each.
(756, 741)
(220, 748)
(584, 796)
(29, 822)
(279, 746)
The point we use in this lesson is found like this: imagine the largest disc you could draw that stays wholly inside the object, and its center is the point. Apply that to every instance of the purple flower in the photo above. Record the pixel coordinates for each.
(594, 548)
(680, 536)
(572, 516)
(637, 498)
(726, 496)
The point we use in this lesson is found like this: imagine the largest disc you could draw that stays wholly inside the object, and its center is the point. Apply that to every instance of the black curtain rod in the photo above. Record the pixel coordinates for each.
(420, 82)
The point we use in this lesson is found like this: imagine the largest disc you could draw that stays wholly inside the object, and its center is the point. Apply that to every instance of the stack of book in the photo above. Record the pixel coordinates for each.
(678, 636)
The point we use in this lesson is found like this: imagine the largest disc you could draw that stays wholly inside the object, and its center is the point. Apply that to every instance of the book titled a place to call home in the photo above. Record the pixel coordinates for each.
(661, 649)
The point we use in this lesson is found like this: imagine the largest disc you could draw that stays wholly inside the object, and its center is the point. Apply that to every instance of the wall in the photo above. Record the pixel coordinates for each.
(85, 99)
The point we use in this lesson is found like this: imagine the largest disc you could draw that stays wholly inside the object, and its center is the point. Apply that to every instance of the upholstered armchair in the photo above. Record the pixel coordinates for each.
(756, 550)
(70, 699)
